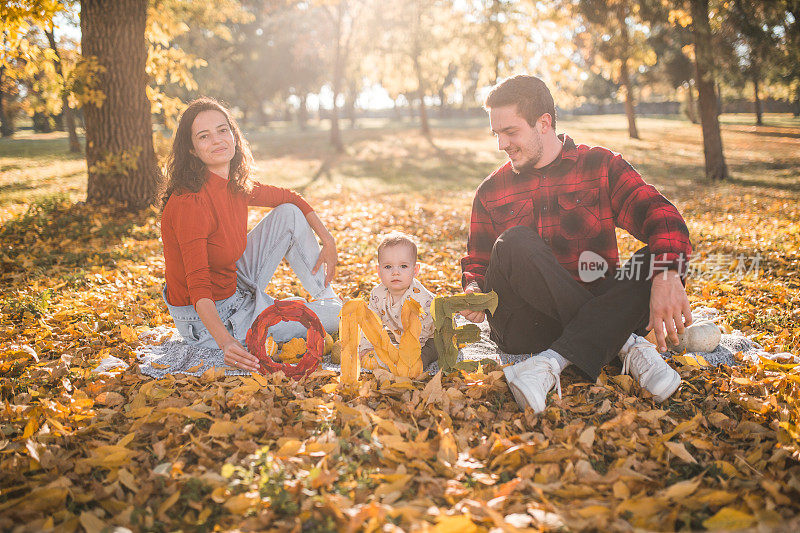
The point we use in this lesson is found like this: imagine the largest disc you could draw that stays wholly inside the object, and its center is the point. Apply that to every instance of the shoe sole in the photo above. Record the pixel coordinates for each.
(669, 389)
(522, 403)
(511, 376)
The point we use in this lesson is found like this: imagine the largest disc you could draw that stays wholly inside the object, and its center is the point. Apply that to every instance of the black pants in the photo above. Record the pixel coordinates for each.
(542, 306)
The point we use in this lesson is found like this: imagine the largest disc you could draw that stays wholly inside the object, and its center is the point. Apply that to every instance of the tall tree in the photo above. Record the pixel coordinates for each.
(343, 16)
(671, 43)
(412, 51)
(119, 142)
(67, 114)
(617, 34)
(716, 168)
(789, 52)
(16, 51)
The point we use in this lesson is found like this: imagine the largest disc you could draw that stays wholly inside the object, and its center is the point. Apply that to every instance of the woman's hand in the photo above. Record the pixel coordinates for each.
(237, 357)
(328, 256)
(235, 354)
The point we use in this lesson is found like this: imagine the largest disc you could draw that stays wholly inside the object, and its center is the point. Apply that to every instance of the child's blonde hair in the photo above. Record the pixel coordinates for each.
(397, 238)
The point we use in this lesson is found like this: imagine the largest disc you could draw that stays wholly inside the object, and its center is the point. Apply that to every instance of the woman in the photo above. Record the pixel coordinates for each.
(216, 273)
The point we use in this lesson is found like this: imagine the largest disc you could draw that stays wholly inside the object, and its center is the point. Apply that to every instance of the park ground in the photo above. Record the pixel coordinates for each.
(80, 451)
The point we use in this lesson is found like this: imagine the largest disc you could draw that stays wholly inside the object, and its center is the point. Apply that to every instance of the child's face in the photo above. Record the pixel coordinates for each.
(397, 268)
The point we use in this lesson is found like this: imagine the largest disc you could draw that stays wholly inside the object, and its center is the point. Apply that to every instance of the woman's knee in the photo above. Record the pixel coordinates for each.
(287, 210)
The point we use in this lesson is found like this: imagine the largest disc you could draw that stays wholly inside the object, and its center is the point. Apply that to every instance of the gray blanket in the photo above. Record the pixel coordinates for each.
(173, 356)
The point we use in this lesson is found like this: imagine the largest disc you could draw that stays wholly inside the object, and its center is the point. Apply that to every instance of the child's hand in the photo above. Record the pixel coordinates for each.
(473, 316)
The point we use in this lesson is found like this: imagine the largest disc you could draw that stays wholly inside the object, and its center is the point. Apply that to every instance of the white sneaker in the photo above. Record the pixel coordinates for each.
(530, 381)
(643, 362)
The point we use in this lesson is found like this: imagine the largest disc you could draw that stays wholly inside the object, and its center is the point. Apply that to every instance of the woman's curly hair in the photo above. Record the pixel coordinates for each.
(186, 173)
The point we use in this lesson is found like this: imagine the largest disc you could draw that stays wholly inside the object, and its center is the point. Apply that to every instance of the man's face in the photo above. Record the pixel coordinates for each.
(516, 137)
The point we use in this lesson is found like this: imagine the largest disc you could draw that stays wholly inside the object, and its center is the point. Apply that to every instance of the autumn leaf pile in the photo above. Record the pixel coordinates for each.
(80, 451)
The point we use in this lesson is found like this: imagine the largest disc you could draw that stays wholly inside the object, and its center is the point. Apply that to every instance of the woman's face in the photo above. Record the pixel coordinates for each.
(213, 140)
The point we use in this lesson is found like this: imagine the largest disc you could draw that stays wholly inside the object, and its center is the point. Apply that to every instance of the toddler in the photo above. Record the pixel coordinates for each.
(397, 268)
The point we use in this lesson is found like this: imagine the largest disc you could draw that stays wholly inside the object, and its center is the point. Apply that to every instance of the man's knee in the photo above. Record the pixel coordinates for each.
(516, 239)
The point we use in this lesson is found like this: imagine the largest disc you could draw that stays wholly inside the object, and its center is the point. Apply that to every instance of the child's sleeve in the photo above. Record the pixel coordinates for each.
(425, 300)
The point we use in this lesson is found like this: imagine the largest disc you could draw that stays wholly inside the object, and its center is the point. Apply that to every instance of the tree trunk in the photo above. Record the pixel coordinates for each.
(6, 124)
(119, 138)
(423, 117)
(302, 112)
(338, 68)
(716, 169)
(630, 111)
(757, 101)
(624, 74)
(68, 119)
(350, 105)
(423, 112)
(690, 108)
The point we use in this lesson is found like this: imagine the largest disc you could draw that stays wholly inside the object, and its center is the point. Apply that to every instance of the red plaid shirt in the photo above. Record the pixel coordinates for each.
(575, 203)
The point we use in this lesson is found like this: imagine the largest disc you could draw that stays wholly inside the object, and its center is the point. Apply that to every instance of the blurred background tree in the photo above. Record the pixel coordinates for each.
(302, 62)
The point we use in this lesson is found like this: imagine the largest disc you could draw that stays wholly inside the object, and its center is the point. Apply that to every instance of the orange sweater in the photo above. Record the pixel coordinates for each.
(205, 233)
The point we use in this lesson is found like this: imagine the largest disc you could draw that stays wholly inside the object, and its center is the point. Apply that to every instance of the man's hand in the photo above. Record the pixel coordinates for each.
(473, 316)
(669, 308)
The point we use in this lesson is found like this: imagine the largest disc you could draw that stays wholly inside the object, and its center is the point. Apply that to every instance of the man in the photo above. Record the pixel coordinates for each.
(542, 235)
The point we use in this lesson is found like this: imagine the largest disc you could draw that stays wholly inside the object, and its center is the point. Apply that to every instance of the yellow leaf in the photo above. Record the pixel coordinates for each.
(587, 437)
(448, 449)
(128, 333)
(127, 439)
(91, 523)
(317, 449)
(127, 479)
(293, 350)
(682, 489)
(593, 510)
(289, 448)
(729, 518)
(169, 502)
(260, 379)
(219, 494)
(642, 507)
(679, 450)
(31, 426)
(222, 428)
(715, 497)
(727, 468)
(272, 346)
(240, 503)
(433, 392)
(455, 524)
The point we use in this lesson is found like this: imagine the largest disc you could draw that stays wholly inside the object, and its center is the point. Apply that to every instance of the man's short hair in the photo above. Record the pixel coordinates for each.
(397, 238)
(528, 93)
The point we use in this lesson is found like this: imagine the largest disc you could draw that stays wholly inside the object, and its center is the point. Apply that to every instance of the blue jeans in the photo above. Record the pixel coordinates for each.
(284, 232)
